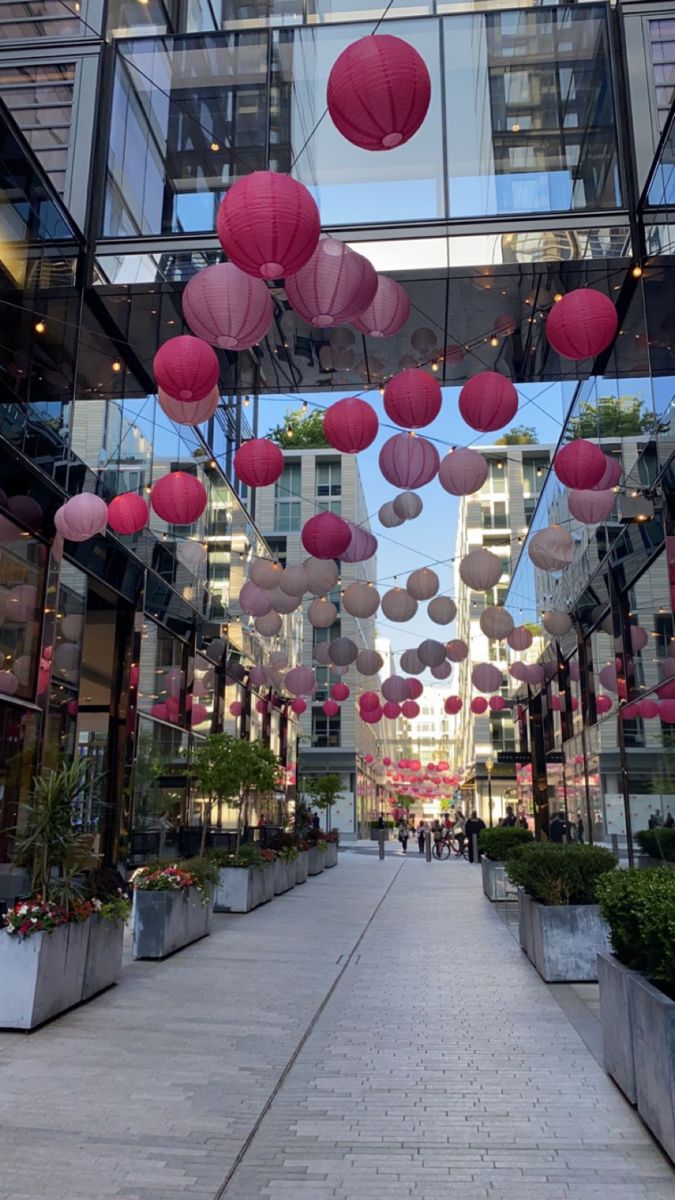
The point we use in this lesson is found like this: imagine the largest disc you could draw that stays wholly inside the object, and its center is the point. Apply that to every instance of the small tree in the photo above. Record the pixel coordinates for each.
(229, 769)
(304, 431)
(611, 416)
(324, 790)
(519, 435)
(51, 848)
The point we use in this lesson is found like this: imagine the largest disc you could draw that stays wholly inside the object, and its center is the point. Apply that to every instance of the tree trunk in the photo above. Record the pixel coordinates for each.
(239, 814)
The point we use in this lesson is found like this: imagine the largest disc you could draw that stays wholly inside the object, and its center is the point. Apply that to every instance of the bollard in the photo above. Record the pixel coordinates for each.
(427, 845)
(380, 839)
(615, 846)
(474, 846)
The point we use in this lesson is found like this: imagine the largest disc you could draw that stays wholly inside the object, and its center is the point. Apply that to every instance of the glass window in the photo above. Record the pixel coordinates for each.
(662, 43)
(325, 730)
(497, 475)
(40, 99)
(18, 737)
(534, 474)
(22, 563)
(162, 690)
(287, 499)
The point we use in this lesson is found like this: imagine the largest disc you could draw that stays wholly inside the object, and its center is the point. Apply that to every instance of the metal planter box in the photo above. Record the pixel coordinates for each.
(646, 863)
(268, 878)
(42, 975)
(103, 965)
(617, 1023)
(566, 940)
(167, 921)
(494, 879)
(330, 855)
(525, 923)
(653, 1017)
(239, 889)
(316, 863)
(285, 875)
(302, 866)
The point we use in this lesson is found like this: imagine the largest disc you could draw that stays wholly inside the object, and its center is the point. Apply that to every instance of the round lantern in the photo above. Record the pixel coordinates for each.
(410, 709)
(362, 545)
(555, 704)
(398, 605)
(192, 555)
(378, 92)
(591, 507)
(160, 712)
(431, 653)
(189, 412)
(497, 703)
(648, 709)
(388, 312)
(486, 677)
(333, 287)
(254, 600)
(442, 610)
(283, 603)
(603, 704)
(258, 463)
(236, 708)
(580, 464)
(227, 308)
(463, 472)
(391, 711)
(608, 678)
(520, 638)
(178, 498)
(488, 402)
(9, 684)
(350, 425)
(322, 613)
(551, 549)
(265, 573)
(408, 462)
(395, 688)
(480, 569)
(368, 701)
(72, 627)
(442, 671)
(20, 602)
(407, 506)
(456, 650)
(342, 651)
(300, 681)
(535, 674)
(557, 623)
(186, 368)
(330, 707)
(611, 475)
(293, 581)
(326, 535)
(479, 705)
(410, 663)
(320, 653)
(261, 707)
(257, 677)
(278, 659)
(496, 622)
(369, 662)
(128, 513)
(82, 517)
(639, 638)
(423, 584)
(667, 711)
(361, 600)
(582, 324)
(299, 705)
(518, 670)
(372, 716)
(268, 224)
(412, 399)
(339, 691)
(269, 625)
(388, 516)
(415, 689)
(215, 652)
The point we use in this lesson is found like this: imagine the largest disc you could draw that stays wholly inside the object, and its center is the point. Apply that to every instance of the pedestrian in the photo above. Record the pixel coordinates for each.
(522, 821)
(459, 829)
(510, 818)
(580, 828)
(261, 821)
(316, 821)
(436, 831)
(421, 836)
(557, 830)
(380, 822)
(473, 825)
(403, 836)
(669, 822)
(654, 820)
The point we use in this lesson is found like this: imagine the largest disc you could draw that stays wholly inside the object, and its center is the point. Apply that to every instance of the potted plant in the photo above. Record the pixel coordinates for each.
(559, 919)
(230, 769)
(302, 860)
(244, 880)
(286, 854)
(496, 845)
(657, 846)
(330, 857)
(324, 791)
(172, 906)
(317, 850)
(637, 993)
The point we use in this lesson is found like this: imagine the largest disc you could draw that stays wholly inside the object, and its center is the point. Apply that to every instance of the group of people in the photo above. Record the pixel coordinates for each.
(656, 820)
(453, 825)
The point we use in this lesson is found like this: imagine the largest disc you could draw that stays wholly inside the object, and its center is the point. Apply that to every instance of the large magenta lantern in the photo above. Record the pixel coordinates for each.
(227, 308)
(350, 425)
(326, 535)
(333, 287)
(410, 709)
(299, 706)
(412, 399)
(453, 705)
(178, 498)
(369, 701)
(582, 324)
(258, 463)
(479, 705)
(268, 224)
(372, 715)
(186, 368)
(603, 704)
(378, 92)
(388, 312)
(591, 507)
(463, 472)
(409, 462)
(128, 513)
(391, 710)
(488, 401)
(580, 464)
(362, 545)
(81, 517)
(189, 412)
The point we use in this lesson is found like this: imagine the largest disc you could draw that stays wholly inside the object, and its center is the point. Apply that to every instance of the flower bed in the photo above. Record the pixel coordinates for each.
(244, 880)
(172, 907)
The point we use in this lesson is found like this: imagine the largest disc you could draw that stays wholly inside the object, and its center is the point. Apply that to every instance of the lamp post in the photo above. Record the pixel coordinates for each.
(489, 767)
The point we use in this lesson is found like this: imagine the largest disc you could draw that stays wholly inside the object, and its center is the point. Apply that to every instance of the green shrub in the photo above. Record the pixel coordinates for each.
(639, 907)
(554, 874)
(657, 843)
(387, 825)
(498, 843)
(248, 856)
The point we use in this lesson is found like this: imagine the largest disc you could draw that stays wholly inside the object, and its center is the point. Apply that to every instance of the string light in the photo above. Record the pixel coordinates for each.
(40, 327)
(116, 366)
(637, 271)
(215, 146)
(494, 341)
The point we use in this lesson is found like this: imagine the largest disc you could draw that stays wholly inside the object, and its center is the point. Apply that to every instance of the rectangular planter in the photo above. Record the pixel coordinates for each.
(617, 1023)
(654, 1042)
(494, 879)
(41, 976)
(285, 875)
(375, 834)
(525, 923)
(645, 862)
(239, 889)
(566, 940)
(268, 878)
(302, 866)
(330, 855)
(103, 965)
(167, 921)
(316, 863)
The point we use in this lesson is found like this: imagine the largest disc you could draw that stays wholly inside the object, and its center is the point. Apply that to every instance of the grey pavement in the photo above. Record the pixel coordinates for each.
(374, 1033)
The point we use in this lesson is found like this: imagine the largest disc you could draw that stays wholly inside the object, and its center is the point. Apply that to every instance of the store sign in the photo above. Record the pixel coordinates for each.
(514, 756)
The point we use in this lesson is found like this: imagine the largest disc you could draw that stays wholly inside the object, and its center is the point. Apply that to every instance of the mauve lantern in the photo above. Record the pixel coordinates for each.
(398, 605)
(189, 412)
(611, 475)
(258, 463)
(497, 703)
(412, 399)
(81, 517)
(378, 92)
(456, 650)
(300, 681)
(350, 425)
(128, 513)
(186, 368)
(410, 709)
(361, 600)
(442, 610)
(342, 651)
(321, 575)
(322, 613)
(488, 402)
(423, 584)
(409, 462)
(479, 705)
(326, 535)
(369, 701)
(362, 545)
(639, 638)
(410, 663)
(257, 677)
(391, 711)
(463, 472)
(333, 287)
(369, 662)
(388, 312)
(518, 670)
(591, 507)
(442, 671)
(582, 324)
(407, 505)
(551, 549)
(236, 708)
(178, 498)
(496, 622)
(269, 625)
(580, 464)
(268, 224)
(227, 308)
(254, 600)
(557, 623)
(486, 677)
(520, 638)
(372, 716)
(480, 569)
(431, 653)
(299, 706)
(395, 689)
(388, 517)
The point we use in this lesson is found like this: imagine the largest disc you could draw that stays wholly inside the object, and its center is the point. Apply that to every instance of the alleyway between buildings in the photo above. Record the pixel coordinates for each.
(374, 1033)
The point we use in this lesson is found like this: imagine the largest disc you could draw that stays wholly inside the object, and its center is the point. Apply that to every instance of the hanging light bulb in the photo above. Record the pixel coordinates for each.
(40, 327)
(116, 366)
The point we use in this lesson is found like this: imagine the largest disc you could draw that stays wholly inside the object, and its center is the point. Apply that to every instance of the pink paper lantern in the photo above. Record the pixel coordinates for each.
(591, 506)
(299, 706)
(378, 92)
(339, 691)
(186, 368)
(300, 681)
(555, 704)
(411, 709)
(128, 513)
(198, 714)
(81, 517)
(391, 711)
(368, 701)
(371, 716)
(463, 472)
(236, 708)
(326, 535)
(453, 705)
(582, 324)
(268, 224)
(388, 312)
(189, 412)
(333, 287)
(178, 498)
(648, 709)
(257, 676)
(480, 569)
(479, 705)
(412, 399)
(603, 704)
(667, 711)
(386, 762)
(520, 638)
(227, 308)
(551, 549)
(639, 638)
(486, 677)
(415, 689)
(497, 703)
(369, 758)
(330, 707)
(395, 689)
(488, 402)
(409, 462)
(608, 678)
(350, 425)
(456, 650)
(362, 545)
(258, 463)
(580, 464)
(254, 600)
(269, 625)
(611, 475)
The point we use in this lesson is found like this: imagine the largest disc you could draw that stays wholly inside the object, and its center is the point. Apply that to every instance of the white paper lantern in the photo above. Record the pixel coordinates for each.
(72, 627)
(431, 652)
(557, 623)
(320, 653)
(269, 625)
(407, 505)
(423, 584)
(265, 573)
(388, 516)
(192, 555)
(342, 651)
(520, 638)
(486, 678)
(411, 663)
(322, 613)
(398, 605)
(442, 610)
(300, 681)
(293, 580)
(361, 600)
(281, 601)
(321, 575)
(369, 662)
(551, 549)
(463, 472)
(496, 622)
(480, 569)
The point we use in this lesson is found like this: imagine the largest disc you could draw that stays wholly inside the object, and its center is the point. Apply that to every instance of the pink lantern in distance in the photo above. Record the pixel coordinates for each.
(410, 709)
(456, 650)
(333, 287)
(227, 308)
(453, 705)
(582, 324)
(412, 399)
(463, 472)
(480, 569)
(497, 703)
(299, 706)
(667, 711)
(611, 476)
(388, 312)
(236, 708)
(369, 758)
(408, 462)
(603, 703)
(391, 711)
(639, 638)
(299, 681)
(371, 716)
(648, 709)
(350, 425)
(369, 701)
(555, 704)
(326, 535)
(557, 623)
(339, 691)
(178, 498)
(330, 707)
(488, 401)
(387, 516)
(415, 689)
(378, 92)
(189, 412)
(81, 517)
(486, 677)
(258, 463)
(520, 638)
(551, 549)
(254, 600)
(591, 506)
(268, 224)
(580, 464)
(479, 705)
(362, 545)
(186, 368)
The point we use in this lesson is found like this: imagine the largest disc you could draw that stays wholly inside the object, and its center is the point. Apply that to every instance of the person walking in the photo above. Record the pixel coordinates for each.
(473, 825)
(669, 822)
(558, 828)
(510, 818)
(421, 835)
(459, 829)
(580, 828)
(403, 836)
(316, 821)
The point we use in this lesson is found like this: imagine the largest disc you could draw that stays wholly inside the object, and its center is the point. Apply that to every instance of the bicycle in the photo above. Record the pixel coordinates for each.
(451, 844)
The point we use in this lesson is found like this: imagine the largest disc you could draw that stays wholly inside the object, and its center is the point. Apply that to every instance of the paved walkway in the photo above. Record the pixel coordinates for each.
(375, 1033)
